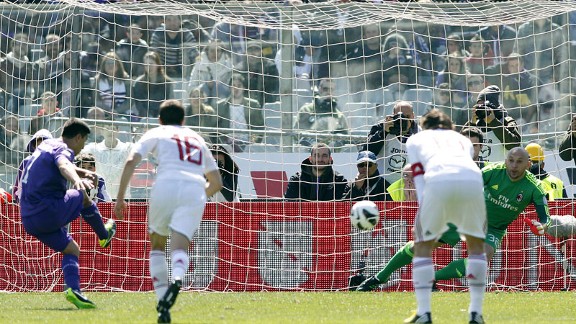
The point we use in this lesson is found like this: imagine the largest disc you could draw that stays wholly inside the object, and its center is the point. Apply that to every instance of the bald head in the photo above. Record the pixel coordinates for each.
(405, 107)
(519, 152)
(517, 162)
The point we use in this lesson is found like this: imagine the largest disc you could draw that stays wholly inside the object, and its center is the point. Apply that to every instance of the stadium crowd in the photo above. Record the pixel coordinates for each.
(230, 76)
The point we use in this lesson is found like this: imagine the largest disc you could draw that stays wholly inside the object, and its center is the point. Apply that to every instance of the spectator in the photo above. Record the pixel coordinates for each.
(397, 65)
(364, 60)
(419, 51)
(196, 28)
(131, 51)
(552, 186)
(113, 90)
(317, 180)
(260, 73)
(212, 72)
(17, 75)
(84, 96)
(176, 46)
(368, 184)
(50, 66)
(235, 36)
(475, 136)
(239, 113)
(229, 171)
(454, 44)
(37, 138)
(110, 155)
(152, 87)
(567, 148)
(501, 39)
(309, 58)
(475, 84)
(387, 140)
(321, 116)
(46, 115)
(200, 114)
(403, 189)
(519, 90)
(443, 102)
(456, 75)
(543, 46)
(500, 130)
(478, 58)
(87, 161)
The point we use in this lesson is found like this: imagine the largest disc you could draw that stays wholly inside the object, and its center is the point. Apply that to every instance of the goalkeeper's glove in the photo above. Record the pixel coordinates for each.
(535, 226)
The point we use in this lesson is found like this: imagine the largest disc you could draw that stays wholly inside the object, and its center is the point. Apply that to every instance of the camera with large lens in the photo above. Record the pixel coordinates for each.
(482, 110)
(400, 124)
(325, 104)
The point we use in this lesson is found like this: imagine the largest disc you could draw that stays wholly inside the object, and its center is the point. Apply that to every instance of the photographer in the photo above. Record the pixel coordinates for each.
(321, 116)
(387, 140)
(229, 172)
(500, 130)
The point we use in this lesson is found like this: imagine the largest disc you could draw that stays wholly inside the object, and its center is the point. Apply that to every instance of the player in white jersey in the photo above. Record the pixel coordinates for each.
(449, 186)
(186, 175)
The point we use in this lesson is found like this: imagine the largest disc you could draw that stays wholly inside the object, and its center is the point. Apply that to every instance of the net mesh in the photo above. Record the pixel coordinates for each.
(266, 80)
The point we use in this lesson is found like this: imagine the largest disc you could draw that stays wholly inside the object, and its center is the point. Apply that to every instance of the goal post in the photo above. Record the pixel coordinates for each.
(248, 74)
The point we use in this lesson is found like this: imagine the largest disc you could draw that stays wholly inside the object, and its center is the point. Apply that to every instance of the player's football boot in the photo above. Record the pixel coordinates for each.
(415, 318)
(79, 300)
(476, 318)
(369, 284)
(110, 226)
(168, 301)
(163, 315)
(169, 297)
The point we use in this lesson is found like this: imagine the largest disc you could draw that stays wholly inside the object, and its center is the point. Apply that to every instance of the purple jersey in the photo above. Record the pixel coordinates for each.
(41, 179)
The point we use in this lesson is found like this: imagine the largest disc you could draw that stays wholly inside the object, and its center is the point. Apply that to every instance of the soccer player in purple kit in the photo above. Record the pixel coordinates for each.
(47, 205)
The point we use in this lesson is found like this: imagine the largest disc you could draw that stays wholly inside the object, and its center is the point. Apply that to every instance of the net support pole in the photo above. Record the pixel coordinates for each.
(286, 80)
(75, 73)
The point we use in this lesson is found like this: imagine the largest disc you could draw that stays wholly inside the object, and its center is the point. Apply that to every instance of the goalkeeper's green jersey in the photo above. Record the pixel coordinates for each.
(506, 199)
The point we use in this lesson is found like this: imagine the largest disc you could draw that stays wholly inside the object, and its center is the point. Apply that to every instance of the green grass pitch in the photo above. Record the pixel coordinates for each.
(288, 307)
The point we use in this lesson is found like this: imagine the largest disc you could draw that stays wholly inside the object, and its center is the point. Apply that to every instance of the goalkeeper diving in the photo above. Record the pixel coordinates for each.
(508, 189)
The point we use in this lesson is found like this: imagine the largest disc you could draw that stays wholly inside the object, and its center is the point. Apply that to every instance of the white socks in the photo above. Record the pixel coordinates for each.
(180, 262)
(423, 278)
(476, 275)
(159, 272)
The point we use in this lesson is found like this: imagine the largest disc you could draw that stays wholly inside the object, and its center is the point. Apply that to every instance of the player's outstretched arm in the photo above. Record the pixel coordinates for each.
(131, 162)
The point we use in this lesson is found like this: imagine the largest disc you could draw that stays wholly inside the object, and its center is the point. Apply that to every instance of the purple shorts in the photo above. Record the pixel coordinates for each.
(49, 227)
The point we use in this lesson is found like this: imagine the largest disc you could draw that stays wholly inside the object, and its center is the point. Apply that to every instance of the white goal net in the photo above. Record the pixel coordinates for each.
(265, 81)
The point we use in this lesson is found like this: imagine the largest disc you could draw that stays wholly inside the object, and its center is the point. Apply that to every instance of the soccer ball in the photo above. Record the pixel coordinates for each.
(364, 215)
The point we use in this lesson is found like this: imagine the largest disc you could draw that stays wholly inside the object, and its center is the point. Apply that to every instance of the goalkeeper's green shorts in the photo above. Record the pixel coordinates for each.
(493, 237)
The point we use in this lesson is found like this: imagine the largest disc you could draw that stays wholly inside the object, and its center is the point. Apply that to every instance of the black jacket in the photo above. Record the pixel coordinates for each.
(303, 185)
(374, 190)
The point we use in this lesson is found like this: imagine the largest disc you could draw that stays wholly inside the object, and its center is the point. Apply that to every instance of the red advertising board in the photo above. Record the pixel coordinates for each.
(274, 246)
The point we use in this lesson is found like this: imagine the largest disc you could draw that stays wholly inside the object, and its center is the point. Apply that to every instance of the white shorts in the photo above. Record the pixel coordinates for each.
(458, 202)
(176, 206)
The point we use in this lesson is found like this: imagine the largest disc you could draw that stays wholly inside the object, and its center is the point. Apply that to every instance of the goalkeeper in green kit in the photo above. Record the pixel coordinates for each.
(508, 189)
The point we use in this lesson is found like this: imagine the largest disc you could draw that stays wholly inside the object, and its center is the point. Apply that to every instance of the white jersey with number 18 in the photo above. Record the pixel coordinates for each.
(179, 151)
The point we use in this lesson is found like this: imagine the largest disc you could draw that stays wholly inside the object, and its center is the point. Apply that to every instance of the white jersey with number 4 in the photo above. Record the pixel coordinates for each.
(179, 151)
